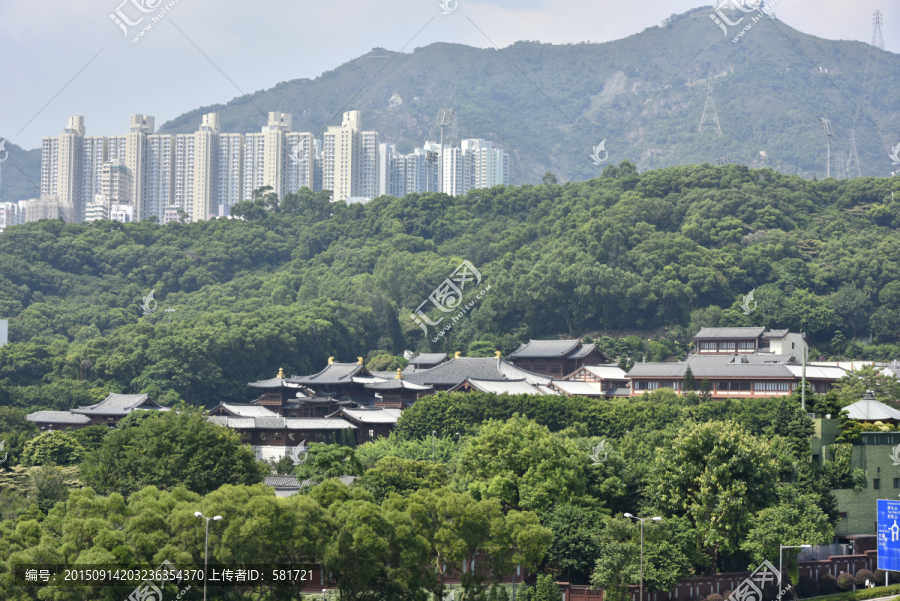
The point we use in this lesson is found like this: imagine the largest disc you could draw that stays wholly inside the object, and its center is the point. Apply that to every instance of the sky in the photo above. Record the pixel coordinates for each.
(69, 57)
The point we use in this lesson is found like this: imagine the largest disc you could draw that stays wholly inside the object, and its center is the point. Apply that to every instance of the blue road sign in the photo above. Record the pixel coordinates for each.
(888, 534)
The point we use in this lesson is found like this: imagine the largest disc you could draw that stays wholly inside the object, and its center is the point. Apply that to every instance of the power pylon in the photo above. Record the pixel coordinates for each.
(826, 128)
(853, 156)
(877, 38)
(842, 173)
(709, 113)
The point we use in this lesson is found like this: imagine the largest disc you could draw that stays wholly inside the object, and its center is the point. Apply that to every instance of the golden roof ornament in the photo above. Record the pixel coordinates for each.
(280, 373)
(330, 360)
(359, 361)
(457, 354)
(497, 354)
(399, 375)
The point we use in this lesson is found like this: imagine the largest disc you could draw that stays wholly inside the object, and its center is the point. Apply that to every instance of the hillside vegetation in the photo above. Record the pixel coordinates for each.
(303, 280)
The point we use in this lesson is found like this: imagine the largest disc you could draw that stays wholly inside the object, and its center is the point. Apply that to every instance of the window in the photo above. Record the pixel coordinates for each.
(645, 385)
(763, 344)
(707, 346)
(740, 385)
(772, 386)
(746, 344)
(896, 482)
(842, 515)
(371, 433)
(726, 346)
(278, 436)
(555, 369)
(876, 483)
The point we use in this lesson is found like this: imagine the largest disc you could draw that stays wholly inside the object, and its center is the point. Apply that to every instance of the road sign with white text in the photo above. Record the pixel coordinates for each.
(888, 534)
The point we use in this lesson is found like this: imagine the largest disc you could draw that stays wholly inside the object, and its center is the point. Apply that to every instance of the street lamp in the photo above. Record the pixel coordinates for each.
(783, 547)
(197, 514)
(642, 520)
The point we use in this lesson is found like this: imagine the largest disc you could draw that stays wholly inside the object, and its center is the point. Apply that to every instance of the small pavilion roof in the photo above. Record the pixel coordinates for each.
(869, 410)
(58, 417)
(120, 404)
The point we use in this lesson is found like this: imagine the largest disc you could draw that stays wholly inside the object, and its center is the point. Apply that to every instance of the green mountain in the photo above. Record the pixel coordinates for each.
(298, 281)
(548, 105)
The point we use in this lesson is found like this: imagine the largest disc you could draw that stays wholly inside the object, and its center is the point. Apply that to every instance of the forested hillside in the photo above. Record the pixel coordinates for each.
(298, 281)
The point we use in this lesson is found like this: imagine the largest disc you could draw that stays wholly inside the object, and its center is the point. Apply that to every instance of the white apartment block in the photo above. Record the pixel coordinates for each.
(300, 161)
(116, 183)
(230, 182)
(160, 175)
(200, 171)
(97, 210)
(12, 213)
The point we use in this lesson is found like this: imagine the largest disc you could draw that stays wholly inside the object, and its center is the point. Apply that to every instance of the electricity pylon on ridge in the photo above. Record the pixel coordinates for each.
(877, 38)
(842, 173)
(709, 112)
(826, 128)
(853, 155)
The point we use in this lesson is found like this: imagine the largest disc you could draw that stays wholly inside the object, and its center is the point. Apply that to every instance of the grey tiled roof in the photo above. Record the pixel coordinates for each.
(273, 383)
(115, 404)
(57, 417)
(456, 371)
(504, 386)
(370, 416)
(396, 384)
(584, 351)
(281, 481)
(608, 372)
(775, 334)
(706, 333)
(281, 423)
(427, 358)
(545, 348)
(712, 366)
(247, 410)
(871, 410)
(576, 388)
(336, 373)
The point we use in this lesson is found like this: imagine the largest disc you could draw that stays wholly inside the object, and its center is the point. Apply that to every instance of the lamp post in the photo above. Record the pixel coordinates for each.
(642, 520)
(197, 514)
(783, 547)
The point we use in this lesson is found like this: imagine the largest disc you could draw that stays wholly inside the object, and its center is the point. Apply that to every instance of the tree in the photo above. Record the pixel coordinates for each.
(705, 390)
(854, 385)
(172, 449)
(575, 547)
(52, 448)
(795, 520)
(688, 384)
(546, 589)
(520, 463)
(325, 461)
(717, 475)
(358, 544)
(402, 476)
(549, 179)
(91, 437)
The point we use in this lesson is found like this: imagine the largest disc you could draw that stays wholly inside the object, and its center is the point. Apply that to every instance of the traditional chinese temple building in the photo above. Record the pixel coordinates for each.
(556, 358)
(107, 412)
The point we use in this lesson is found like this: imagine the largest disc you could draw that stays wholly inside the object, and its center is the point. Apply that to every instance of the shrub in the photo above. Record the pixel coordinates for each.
(846, 581)
(715, 597)
(862, 576)
(827, 584)
(879, 577)
(808, 587)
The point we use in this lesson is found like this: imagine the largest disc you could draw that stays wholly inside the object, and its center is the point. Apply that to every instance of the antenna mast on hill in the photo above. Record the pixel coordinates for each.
(826, 127)
(877, 38)
(853, 155)
(709, 112)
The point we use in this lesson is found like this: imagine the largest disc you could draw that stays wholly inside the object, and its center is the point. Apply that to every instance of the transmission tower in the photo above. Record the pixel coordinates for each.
(877, 38)
(709, 112)
(826, 128)
(842, 173)
(853, 156)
